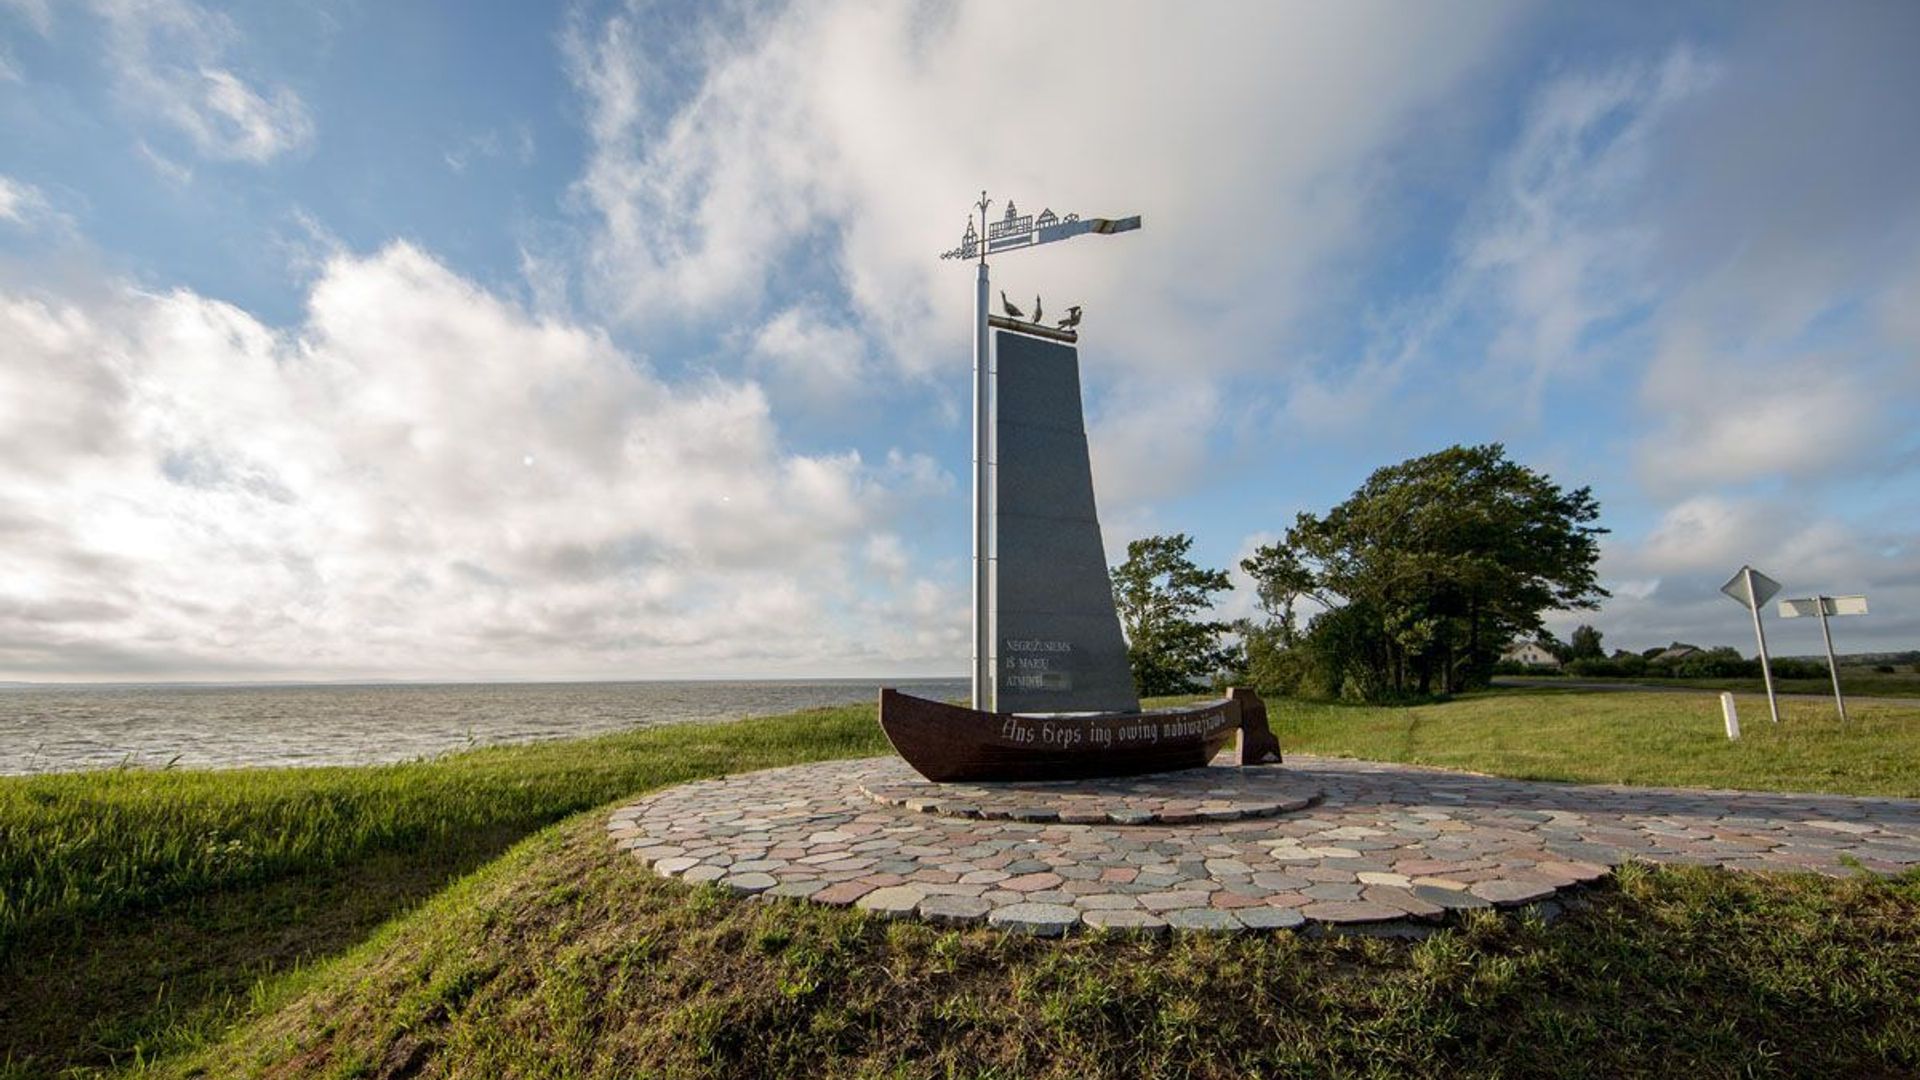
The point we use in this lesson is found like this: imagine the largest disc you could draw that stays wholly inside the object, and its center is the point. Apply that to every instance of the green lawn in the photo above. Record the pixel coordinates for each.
(1619, 737)
(365, 920)
(1854, 682)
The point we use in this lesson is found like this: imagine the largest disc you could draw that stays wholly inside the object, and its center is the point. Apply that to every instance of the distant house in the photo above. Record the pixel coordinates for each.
(1675, 653)
(1530, 653)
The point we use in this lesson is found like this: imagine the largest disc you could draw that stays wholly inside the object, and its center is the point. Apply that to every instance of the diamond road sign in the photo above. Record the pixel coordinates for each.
(1736, 587)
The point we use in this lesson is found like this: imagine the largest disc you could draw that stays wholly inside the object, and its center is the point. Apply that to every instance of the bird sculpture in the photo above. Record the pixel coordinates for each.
(1036, 307)
(1012, 312)
(1073, 318)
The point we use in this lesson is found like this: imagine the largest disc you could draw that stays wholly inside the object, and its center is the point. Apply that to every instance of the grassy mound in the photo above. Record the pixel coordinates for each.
(141, 910)
(143, 913)
(567, 959)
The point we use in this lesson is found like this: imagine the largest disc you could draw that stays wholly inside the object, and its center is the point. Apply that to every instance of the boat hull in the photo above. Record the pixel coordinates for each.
(947, 743)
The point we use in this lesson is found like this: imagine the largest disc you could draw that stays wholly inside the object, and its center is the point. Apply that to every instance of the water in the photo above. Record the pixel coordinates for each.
(49, 729)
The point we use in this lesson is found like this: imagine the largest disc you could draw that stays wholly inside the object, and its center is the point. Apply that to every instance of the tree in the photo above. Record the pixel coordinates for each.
(1160, 594)
(1279, 579)
(1584, 644)
(1433, 565)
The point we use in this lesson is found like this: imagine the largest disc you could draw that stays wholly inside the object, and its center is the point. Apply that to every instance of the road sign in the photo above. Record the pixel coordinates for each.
(1824, 606)
(1762, 589)
(1834, 605)
(1750, 588)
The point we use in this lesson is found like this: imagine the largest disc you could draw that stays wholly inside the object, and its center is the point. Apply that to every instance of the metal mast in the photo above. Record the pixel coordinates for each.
(1010, 234)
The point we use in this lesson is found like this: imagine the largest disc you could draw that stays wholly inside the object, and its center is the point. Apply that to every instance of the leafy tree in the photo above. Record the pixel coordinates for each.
(1584, 644)
(1432, 566)
(1160, 594)
(1279, 579)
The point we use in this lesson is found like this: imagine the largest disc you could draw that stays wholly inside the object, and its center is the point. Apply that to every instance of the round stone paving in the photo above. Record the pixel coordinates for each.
(1388, 847)
(1183, 797)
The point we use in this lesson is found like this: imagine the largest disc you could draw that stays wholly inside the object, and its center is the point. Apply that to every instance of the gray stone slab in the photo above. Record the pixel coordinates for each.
(1040, 920)
(1208, 919)
(892, 901)
(1510, 893)
(748, 884)
(1124, 921)
(954, 910)
(1450, 899)
(1270, 918)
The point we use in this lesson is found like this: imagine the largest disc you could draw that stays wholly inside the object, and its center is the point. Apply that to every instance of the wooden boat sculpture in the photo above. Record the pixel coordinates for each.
(947, 743)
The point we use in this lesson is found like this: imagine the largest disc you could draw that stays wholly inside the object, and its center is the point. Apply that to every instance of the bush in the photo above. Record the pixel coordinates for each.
(1797, 669)
(1721, 663)
(1626, 667)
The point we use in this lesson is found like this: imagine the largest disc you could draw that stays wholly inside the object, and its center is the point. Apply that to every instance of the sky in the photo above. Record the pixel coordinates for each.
(608, 339)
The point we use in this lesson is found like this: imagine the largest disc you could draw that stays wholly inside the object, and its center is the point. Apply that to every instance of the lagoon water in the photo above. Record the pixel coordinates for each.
(56, 729)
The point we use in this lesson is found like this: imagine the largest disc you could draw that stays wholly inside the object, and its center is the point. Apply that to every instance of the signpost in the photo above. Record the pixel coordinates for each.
(1013, 232)
(1752, 588)
(1824, 606)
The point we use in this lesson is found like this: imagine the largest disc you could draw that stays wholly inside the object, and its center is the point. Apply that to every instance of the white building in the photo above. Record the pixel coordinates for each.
(1531, 653)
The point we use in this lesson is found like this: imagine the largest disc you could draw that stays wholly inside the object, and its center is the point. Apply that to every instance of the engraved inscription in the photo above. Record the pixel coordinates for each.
(1034, 664)
(1104, 733)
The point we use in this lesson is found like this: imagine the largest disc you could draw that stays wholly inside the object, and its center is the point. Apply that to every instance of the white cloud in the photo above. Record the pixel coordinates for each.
(168, 169)
(846, 139)
(420, 479)
(170, 57)
(1706, 532)
(20, 202)
(1150, 439)
(1733, 418)
(802, 350)
(1555, 246)
(1666, 585)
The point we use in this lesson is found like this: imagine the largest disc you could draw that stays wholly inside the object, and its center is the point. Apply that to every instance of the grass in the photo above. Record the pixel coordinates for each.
(365, 921)
(139, 907)
(568, 959)
(1860, 681)
(1620, 737)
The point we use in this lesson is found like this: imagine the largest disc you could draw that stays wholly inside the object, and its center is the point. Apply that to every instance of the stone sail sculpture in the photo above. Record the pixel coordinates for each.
(1053, 694)
(1058, 646)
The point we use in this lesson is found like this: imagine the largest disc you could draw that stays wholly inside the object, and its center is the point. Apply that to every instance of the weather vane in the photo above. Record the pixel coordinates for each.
(1013, 232)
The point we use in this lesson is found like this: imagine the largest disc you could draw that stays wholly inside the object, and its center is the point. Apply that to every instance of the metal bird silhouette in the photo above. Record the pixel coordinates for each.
(1036, 307)
(1012, 312)
(1073, 318)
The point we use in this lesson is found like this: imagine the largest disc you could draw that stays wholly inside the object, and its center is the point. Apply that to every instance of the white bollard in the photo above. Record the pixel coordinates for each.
(1732, 714)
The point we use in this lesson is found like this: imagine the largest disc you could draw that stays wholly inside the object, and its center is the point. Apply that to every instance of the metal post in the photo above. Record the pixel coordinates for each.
(1013, 234)
(982, 490)
(1766, 666)
(1833, 666)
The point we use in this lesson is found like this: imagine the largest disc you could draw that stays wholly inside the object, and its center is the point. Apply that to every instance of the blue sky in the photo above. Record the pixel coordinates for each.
(607, 339)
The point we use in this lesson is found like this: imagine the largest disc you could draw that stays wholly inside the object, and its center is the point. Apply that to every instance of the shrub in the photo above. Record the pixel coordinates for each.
(1626, 667)
(1797, 669)
(1721, 663)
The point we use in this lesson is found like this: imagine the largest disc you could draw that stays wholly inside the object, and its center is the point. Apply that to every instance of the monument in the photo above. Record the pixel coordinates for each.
(1052, 692)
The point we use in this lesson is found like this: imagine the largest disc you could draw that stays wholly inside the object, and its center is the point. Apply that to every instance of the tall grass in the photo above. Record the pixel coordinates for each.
(84, 844)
